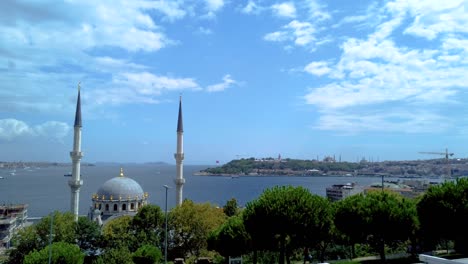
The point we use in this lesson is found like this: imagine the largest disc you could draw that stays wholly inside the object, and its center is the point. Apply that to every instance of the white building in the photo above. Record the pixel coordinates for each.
(12, 218)
(340, 191)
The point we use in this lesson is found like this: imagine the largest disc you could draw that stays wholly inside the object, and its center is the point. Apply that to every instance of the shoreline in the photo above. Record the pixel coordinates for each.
(311, 176)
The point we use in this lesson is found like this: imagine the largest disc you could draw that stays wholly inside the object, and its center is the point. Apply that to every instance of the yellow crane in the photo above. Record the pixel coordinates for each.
(447, 155)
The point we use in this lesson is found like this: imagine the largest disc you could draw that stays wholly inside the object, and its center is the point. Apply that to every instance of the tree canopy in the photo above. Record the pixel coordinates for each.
(61, 252)
(284, 215)
(190, 226)
(443, 213)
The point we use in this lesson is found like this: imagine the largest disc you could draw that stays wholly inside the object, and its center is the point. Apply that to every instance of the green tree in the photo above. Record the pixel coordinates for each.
(148, 225)
(88, 235)
(190, 224)
(230, 208)
(147, 254)
(118, 255)
(117, 233)
(63, 229)
(443, 213)
(36, 237)
(24, 242)
(230, 239)
(348, 219)
(389, 218)
(61, 253)
(284, 218)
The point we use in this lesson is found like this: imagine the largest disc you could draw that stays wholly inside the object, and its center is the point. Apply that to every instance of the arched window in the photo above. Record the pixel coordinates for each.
(107, 207)
(115, 207)
(100, 205)
(132, 206)
(124, 207)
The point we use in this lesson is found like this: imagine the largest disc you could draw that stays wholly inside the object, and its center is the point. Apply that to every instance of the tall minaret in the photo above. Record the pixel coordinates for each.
(76, 155)
(179, 157)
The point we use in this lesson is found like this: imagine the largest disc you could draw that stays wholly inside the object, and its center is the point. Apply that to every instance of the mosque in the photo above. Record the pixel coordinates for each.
(116, 197)
(120, 195)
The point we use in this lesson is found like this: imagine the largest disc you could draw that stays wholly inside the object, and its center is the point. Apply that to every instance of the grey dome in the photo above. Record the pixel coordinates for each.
(121, 187)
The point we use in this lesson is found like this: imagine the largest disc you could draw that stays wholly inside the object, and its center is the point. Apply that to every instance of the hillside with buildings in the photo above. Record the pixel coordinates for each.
(329, 166)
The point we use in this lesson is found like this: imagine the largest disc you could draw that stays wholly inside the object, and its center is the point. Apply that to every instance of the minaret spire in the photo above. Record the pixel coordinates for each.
(179, 156)
(180, 125)
(75, 182)
(78, 109)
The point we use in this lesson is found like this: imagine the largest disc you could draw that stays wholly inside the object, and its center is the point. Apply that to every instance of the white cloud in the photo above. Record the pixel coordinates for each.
(172, 10)
(301, 33)
(251, 8)
(214, 5)
(227, 82)
(286, 9)
(379, 72)
(53, 129)
(276, 36)
(317, 11)
(13, 128)
(432, 18)
(318, 68)
(117, 96)
(204, 31)
(145, 83)
(395, 121)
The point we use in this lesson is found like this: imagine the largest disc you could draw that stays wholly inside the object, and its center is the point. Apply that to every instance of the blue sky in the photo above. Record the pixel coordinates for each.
(377, 79)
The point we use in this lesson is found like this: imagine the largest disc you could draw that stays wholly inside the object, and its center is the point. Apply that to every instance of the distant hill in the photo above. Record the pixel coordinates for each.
(270, 166)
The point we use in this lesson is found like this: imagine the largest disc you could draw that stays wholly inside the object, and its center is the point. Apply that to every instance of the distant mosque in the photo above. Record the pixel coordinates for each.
(120, 195)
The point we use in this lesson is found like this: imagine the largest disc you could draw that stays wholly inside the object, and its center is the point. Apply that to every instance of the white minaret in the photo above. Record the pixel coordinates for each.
(76, 155)
(179, 157)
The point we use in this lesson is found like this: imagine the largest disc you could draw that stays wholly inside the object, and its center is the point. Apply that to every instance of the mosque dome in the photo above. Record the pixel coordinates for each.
(116, 197)
(121, 188)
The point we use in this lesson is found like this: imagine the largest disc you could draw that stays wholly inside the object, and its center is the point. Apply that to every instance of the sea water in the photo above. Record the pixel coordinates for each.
(45, 189)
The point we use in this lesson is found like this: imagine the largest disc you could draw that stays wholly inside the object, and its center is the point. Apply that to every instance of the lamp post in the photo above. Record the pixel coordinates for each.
(165, 229)
(50, 236)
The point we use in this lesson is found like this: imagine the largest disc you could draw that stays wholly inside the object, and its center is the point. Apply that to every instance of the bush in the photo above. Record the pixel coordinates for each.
(147, 254)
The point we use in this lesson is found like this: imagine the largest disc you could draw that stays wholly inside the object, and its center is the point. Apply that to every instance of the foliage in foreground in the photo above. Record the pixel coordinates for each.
(275, 227)
(61, 252)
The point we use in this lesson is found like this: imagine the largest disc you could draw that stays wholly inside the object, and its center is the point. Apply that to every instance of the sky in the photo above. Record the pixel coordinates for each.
(383, 80)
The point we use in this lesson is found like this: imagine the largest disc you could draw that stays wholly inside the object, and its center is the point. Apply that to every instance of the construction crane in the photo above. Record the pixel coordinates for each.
(446, 154)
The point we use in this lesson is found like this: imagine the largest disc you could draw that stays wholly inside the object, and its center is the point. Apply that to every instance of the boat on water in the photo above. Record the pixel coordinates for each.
(69, 175)
(1, 177)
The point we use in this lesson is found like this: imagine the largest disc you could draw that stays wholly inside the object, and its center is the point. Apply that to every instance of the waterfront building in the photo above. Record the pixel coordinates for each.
(179, 157)
(402, 189)
(117, 197)
(75, 182)
(12, 219)
(338, 192)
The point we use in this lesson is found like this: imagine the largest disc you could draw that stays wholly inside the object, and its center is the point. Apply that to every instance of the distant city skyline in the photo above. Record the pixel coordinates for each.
(380, 80)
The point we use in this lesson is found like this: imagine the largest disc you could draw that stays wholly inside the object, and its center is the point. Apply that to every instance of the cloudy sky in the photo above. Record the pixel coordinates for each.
(377, 79)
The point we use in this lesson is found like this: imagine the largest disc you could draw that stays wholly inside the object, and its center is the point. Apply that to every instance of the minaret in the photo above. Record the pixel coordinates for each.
(76, 155)
(179, 157)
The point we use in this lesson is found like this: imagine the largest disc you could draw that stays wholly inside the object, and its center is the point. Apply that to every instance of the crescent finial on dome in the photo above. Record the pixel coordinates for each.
(121, 172)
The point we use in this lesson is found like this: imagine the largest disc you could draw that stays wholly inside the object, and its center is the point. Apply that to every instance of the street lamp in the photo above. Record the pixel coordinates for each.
(165, 231)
